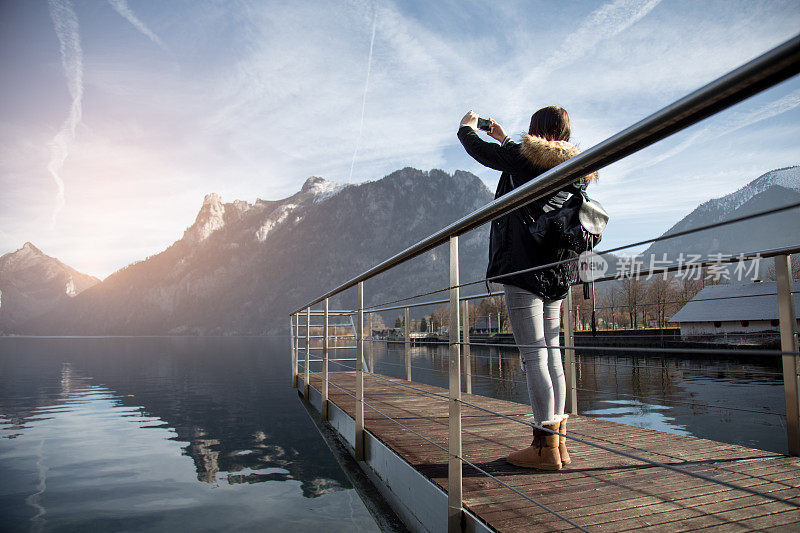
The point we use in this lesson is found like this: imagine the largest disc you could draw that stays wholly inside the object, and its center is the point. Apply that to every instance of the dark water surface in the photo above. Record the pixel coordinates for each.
(729, 400)
(162, 434)
(206, 434)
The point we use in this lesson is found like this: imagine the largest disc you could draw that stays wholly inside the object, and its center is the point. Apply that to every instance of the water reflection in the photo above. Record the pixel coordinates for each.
(738, 401)
(97, 432)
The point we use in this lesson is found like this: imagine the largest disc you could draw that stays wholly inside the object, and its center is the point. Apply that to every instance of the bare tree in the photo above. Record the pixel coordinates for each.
(440, 317)
(632, 294)
(473, 313)
(495, 306)
(375, 319)
(687, 288)
(660, 292)
(609, 301)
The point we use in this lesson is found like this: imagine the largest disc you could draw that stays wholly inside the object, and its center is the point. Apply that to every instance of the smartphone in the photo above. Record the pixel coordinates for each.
(484, 124)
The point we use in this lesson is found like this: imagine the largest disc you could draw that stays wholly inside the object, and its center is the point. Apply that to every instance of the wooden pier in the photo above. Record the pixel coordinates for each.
(600, 490)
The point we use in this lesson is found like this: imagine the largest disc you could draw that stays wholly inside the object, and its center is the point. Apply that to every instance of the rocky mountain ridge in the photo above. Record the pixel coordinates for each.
(32, 283)
(241, 267)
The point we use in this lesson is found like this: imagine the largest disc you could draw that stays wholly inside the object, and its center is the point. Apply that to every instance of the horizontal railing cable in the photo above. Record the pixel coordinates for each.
(555, 513)
(420, 295)
(705, 227)
(701, 370)
(380, 309)
(678, 402)
(635, 457)
(586, 363)
(635, 349)
(412, 367)
(604, 334)
(400, 340)
(643, 349)
(666, 268)
(672, 302)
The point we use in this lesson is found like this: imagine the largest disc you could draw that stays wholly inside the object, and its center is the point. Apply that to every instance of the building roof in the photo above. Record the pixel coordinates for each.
(742, 301)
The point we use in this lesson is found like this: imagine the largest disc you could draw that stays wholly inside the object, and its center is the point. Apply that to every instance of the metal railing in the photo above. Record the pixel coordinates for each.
(757, 75)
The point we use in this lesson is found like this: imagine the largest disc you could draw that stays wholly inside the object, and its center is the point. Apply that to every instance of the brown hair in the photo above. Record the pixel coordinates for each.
(551, 123)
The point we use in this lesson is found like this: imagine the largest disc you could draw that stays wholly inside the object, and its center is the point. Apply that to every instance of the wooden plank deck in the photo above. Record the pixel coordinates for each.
(600, 491)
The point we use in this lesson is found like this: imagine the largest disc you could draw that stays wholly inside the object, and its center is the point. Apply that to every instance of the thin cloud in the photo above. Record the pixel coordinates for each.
(603, 23)
(66, 26)
(121, 7)
(735, 120)
(606, 21)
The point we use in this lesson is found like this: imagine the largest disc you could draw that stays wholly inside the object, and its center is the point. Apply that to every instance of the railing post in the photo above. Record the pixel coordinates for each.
(407, 344)
(571, 406)
(293, 344)
(467, 358)
(371, 364)
(359, 437)
(323, 408)
(791, 365)
(454, 513)
(296, 350)
(307, 374)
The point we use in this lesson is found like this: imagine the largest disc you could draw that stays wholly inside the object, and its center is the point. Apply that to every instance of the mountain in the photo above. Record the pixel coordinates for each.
(774, 189)
(241, 268)
(32, 283)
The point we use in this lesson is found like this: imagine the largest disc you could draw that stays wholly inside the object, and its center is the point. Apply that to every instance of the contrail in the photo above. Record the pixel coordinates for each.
(65, 23)
(732, 122)
(603, 23)
(364, 98)
(121, 7)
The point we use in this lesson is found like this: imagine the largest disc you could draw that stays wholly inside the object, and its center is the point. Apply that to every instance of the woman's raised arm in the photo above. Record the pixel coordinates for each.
(488, 154)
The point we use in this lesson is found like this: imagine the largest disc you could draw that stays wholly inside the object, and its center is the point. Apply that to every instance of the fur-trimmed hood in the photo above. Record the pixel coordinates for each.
(548, 154)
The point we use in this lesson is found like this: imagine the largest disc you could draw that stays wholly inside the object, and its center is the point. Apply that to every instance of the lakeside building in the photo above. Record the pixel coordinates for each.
(745, 313)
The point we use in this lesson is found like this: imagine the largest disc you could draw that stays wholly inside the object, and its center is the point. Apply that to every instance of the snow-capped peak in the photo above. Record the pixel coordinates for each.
(321, 188)
(785, 177)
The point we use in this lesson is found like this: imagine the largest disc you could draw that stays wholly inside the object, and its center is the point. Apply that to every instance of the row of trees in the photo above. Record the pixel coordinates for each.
(633, 303)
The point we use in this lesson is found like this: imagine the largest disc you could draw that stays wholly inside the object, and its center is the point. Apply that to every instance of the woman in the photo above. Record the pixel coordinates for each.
(533, 298)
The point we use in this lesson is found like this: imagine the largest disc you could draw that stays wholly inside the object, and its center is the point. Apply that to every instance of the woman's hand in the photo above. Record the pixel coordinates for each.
(497, 131)
(470, 119)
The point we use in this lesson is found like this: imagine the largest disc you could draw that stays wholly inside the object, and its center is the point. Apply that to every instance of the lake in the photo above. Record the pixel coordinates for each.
(163, 434)
(206, 433)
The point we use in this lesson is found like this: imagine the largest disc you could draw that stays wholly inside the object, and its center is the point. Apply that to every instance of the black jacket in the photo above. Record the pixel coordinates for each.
(510, 247)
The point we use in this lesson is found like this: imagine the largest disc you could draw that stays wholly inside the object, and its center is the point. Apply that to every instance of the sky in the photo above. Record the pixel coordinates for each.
(117, 117)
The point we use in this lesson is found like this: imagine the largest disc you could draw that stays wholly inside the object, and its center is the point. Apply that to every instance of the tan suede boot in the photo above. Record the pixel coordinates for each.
(562, 441)
(543, 451)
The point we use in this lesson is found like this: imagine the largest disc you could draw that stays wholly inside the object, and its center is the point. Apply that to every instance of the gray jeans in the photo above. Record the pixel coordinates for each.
(535, 323)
